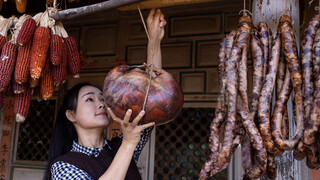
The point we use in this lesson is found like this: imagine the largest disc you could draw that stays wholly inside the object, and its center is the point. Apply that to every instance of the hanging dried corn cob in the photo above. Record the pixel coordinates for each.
(59, 72)
(73, 57)
(46, 85)
(3, 40)
(34, 82)
(55, 46)
(40, 46)
(26, 32)
(73, 53)
(7, 62)
(22, 69)
(21, 5)
(18, 88)
(4, 27)
(8, 59)
(22, 104)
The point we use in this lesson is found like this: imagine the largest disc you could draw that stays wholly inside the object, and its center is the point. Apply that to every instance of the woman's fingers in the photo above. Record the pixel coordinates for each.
(163, 22)
(151, 15)
(146, 125)
(127, 117)
(138, 118)
(113, 116)
(156, 18)
(125, 120)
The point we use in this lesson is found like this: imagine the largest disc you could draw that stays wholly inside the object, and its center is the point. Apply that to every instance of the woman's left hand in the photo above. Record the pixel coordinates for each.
(130, 130)
(155, 24)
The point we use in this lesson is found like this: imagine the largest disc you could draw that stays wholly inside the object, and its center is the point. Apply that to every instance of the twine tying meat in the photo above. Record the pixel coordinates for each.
(150, 67)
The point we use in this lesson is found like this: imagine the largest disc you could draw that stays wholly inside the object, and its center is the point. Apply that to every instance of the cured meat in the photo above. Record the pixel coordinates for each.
(266, 97)
(220, 113)
(257, 82)
(290, 51)
(308, 86)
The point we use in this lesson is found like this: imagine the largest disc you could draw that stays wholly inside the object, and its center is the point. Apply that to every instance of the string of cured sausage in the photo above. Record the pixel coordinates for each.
(266, 97)
(276, 67)
(220, 112)
(253, 143)
(290, 51)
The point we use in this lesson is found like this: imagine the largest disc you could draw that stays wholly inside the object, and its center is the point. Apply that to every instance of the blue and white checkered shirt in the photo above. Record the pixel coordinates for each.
(62, 170)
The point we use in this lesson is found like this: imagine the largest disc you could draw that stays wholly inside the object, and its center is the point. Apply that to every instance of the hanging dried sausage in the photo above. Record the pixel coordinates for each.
(242, 41)
(290, 51)
(266, 97)
(264, 38)
(257, 57)
(224, 54)
(258, 168)
(307, 75)
(279, 82)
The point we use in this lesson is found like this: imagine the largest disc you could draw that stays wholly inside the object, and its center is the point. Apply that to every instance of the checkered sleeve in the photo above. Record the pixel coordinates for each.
(64, 171)
(145, 135)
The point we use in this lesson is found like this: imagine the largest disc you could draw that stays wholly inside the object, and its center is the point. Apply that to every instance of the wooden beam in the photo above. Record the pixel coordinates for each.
(148, 4)
(81, 11)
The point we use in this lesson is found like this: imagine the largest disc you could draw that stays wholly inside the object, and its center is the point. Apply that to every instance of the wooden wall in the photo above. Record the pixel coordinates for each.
(189, 49)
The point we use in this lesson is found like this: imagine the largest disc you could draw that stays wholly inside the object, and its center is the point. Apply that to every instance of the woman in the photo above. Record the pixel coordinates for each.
(79, 150)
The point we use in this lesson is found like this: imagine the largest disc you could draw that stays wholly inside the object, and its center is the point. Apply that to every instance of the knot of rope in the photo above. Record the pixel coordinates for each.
(244, 11)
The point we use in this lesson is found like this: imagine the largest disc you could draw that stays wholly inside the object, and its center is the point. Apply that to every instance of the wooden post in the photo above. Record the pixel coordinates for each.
(6, 133)
(287, 166)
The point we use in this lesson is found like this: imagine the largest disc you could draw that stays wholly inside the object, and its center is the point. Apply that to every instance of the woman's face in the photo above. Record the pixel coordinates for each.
(91, 110)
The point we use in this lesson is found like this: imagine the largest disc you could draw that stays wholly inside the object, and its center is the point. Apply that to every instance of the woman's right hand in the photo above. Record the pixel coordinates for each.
(130, 130)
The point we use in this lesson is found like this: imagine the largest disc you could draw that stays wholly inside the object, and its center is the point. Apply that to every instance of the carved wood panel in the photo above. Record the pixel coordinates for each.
(195, 25)
(136, 30)
(193, 82)
(100, 40)
(96, 79)
(136, 54)
(207, 53)
(176, 55)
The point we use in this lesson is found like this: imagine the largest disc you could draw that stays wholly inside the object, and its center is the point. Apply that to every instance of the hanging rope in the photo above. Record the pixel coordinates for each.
(286, 7)
(244, 11)
(144, 24)
(285, 10)
(150, 67)
(260, 10)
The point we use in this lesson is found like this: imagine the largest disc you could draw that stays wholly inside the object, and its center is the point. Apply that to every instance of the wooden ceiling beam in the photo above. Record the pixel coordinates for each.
(148, 4)
(85, 10)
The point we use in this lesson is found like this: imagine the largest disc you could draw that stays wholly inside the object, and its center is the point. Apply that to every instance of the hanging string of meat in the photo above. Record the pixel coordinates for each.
(290, 51)
(281, 73)
(256, 167)
(266, 97)
(275, 67)
(242, 42)
(258, 63)
(220, 112)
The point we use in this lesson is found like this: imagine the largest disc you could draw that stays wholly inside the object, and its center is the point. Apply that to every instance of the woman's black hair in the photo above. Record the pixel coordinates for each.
(64, 132)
